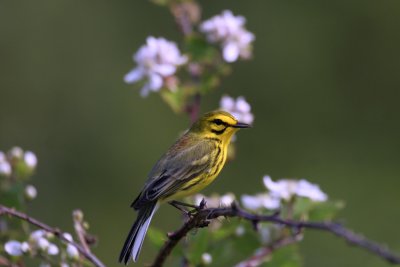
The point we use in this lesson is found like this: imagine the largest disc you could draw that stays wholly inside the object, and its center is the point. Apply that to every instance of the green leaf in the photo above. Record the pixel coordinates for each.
(156, 237)
(302, 206)
(12, 197)
(326, 210)
(198, 245)
(200, 50)
(176, 100)
(22, 171)
(288, 256)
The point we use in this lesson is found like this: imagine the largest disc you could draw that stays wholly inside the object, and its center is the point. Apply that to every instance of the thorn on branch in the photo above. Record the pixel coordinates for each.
(255, 225)
(203, 204)
(234, 206)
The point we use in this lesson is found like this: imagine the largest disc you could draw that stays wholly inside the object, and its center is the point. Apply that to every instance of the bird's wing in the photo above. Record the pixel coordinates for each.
(180, 165)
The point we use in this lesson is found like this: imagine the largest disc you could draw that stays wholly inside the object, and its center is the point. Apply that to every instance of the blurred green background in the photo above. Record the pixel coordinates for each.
(324, 87)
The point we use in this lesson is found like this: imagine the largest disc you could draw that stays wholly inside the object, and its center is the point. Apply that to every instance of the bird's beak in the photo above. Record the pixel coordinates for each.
(242, 125)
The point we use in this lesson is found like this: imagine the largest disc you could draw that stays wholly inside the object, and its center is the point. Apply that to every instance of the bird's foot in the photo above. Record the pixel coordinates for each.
(190, 213)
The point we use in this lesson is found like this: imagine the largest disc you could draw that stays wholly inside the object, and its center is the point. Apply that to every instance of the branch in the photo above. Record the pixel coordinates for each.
(186, 14)
(57, 232)
(202, 219)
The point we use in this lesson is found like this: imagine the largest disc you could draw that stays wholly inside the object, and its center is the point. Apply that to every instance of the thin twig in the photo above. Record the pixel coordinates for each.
(193, 109)
(80, 230)
(260, 255)
(186, 14)
(57, 232)
(203, 217)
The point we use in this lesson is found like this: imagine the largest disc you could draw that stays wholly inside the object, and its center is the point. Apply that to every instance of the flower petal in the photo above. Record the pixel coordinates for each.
(155, 82)
(134, 75)
(230, 52)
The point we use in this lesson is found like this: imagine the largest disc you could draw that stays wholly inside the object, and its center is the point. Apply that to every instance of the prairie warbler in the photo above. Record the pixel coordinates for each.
(191, 164)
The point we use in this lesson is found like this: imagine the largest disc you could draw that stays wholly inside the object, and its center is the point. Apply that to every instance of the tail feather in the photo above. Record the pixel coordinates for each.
(134, 241)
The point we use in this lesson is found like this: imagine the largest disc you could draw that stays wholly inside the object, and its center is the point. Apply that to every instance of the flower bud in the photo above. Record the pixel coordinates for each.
(43, 243)
(206, 258)
(77, 215)
(30, 159)
(68, 236)
(72, 251)
(5, 168)
(13, 248)
(25, 247)
(30, 192)
(16, 153)
(52, 249)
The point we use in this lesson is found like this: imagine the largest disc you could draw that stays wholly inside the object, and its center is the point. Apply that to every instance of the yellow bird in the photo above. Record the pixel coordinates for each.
(192, 163)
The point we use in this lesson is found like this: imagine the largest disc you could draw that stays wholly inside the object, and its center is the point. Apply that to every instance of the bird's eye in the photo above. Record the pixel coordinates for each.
(217, 121)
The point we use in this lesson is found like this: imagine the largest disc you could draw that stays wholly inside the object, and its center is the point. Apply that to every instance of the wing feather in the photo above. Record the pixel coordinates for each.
(181, 165)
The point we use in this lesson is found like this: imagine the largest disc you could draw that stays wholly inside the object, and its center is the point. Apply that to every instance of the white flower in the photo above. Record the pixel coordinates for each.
(36, 235)
(13, 248)
(286, 189)
(63, 264)
(239, 108)
(68, 236)
(39, 240)
(260, 201)
(43, 243)
(206, 258)
(283, 189)
(30, 159)
(5, 168)
(72, 251)
(52, 249)
(311, 191)
(30, 192)
(25, 247)
(227, 199)
(155, 61)
(229, 31)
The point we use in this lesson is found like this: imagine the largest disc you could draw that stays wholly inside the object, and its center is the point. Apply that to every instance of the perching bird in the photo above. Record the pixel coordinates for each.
(192, 163)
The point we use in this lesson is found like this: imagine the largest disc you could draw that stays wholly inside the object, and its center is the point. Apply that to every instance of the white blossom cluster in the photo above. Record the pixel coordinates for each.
(13, 158)
(229, 31)
(157, 60)
(16, 154)
(283, 190)
(39, 242)
(239, 108)
(288, 188)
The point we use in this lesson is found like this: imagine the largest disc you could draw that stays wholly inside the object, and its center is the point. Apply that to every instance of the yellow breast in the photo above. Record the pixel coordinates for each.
(204, 179)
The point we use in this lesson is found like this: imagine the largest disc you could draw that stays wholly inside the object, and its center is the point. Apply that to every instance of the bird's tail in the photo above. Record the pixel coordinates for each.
(136, 235)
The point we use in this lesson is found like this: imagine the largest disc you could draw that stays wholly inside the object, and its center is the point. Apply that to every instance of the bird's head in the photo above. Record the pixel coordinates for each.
(218, 124)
